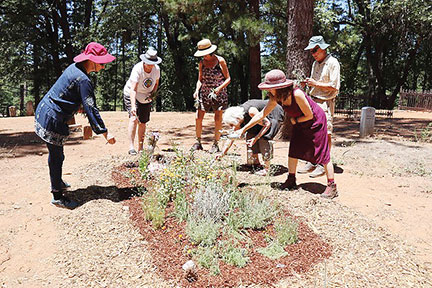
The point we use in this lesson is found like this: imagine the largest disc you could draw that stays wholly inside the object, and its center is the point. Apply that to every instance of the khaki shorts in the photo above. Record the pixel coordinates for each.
(329, 107)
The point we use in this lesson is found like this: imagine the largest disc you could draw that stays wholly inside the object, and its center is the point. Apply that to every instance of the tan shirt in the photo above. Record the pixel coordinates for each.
(328, 71)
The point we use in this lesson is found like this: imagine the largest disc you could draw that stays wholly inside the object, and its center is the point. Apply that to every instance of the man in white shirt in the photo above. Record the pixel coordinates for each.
(324, 86)
(138, 94)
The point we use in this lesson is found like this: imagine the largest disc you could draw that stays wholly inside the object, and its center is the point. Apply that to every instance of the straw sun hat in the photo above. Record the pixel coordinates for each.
(205, 47)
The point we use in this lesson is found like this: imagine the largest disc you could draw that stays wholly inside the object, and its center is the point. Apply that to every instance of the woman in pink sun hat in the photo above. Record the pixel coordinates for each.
(72, 89)
(309, 139)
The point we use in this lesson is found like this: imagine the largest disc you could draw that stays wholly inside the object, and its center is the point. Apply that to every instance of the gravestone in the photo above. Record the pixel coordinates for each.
(367, 121)
(29, 108)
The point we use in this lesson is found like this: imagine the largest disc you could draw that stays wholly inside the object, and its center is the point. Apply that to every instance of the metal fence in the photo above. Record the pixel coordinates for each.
(351, 107)
(413, 100)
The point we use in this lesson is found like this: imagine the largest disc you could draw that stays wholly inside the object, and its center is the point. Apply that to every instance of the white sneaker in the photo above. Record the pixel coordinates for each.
(308, 167)
(319, 171)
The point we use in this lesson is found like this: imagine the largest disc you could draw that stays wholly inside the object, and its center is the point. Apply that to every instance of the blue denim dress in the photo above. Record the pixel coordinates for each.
(62, 101)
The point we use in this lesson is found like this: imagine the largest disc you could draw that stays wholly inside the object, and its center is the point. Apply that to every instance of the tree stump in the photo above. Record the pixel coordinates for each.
(87, 132)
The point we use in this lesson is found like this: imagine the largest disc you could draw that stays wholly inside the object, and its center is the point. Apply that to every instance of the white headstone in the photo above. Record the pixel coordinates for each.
(367, 121)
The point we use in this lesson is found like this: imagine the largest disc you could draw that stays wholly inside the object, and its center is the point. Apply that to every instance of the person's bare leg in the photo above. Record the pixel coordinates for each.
(131, 131)
(292, 165)
(329, 170)
(199, 116)
(267, 164)
(141, 134)
(218, 124)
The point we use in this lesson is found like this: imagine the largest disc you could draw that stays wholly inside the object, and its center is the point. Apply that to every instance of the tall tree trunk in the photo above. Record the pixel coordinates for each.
(64, 24)
(88, 11)
(299, 62)
(254, 56)
(300, 23)
(36, 78)
(182, 80)
(159, 48)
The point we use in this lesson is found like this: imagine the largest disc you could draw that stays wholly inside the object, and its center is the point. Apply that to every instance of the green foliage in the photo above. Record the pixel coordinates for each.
(181, 205)
(286, 231)
(255, 212)
(203, 232)
(143, 163)
(273, 251)
(207, 257)
(424, 135)
(233, 255)
(153, 211)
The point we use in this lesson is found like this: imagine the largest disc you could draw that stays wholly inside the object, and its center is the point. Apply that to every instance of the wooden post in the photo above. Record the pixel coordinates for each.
(22, 100)
(87, 132)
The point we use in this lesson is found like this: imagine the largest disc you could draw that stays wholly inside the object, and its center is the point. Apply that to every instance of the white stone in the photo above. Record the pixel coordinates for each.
(189, 266)
(367, 121)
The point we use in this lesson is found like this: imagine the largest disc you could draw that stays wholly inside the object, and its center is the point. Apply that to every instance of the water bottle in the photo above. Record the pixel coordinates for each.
(249, 155)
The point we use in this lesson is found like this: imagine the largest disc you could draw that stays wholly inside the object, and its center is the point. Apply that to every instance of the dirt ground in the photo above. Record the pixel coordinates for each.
(386, 179)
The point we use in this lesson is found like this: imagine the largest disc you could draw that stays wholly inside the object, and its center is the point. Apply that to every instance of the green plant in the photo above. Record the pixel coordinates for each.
(286, 231)
(207, 257)
(153, 211)
(211, 202)
(181, 206)
(233, 255)
(203, 232)
(143, 163)
(273, 251)
(255, 211)
(425, 134)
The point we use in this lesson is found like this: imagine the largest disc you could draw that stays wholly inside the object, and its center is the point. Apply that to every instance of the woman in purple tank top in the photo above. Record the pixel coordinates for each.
(309, 139)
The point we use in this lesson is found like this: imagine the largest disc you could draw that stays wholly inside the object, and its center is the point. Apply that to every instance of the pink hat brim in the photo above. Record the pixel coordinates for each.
(265, 86)
(107, 58)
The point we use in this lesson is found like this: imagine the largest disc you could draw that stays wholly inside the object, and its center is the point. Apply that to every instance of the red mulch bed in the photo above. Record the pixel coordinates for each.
(166, 247)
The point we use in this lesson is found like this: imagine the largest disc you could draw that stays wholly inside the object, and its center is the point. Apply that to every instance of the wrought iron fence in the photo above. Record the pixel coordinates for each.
(351, 106)
(413, 100)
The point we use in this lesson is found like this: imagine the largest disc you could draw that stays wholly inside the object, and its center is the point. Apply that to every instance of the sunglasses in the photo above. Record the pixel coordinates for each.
(313, 51)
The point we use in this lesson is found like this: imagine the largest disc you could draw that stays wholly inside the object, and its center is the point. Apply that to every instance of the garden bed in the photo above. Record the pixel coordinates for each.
(171, 247)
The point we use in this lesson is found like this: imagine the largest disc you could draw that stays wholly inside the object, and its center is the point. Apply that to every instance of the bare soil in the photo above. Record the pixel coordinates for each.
(380, 226)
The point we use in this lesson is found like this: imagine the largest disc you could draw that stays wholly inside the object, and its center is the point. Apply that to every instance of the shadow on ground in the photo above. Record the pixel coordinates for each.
(385, 128)
(94, 192)
(21, 144)
(275, 169)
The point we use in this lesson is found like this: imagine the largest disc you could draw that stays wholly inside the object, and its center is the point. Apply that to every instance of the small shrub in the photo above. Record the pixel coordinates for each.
(153, 211)
(273, 251)
(256, 212)
(207, 257)
(202, 232)
(233, 255)
(286, 231)
(425, 134)
(143, 163)
(181, 206)
(211, 202)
